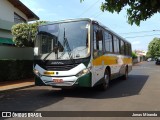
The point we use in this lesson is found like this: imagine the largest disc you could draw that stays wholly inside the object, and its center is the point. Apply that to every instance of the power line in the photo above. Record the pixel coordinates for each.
(141, 36)
(89, 8)
(140, 32)
(94, 14)
(98, 15)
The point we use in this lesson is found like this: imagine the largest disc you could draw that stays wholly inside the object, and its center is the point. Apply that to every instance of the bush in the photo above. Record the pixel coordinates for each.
(20, 34)
(134, 56)
(15, 69)
(24, 33)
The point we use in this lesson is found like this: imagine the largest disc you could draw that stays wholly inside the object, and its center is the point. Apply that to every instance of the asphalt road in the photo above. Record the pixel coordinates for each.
(141, 92)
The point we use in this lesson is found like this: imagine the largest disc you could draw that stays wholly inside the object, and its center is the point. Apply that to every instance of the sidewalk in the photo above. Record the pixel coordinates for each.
(12, 85)
(139, 63)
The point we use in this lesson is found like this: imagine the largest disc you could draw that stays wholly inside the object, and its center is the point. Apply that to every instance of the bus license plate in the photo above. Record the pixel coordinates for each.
(58, 80)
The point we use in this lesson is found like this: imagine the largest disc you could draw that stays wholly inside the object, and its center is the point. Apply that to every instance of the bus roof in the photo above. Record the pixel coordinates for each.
(108, 29)
(67, 20)
(87, 19)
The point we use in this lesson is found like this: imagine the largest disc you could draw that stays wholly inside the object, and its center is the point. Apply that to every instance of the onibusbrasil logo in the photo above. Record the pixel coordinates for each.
(20, 114)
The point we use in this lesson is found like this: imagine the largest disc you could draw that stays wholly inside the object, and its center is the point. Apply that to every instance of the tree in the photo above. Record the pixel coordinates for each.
(137, 10)
(154, 48)
(134, 55)
(24, 33)
(148, 55)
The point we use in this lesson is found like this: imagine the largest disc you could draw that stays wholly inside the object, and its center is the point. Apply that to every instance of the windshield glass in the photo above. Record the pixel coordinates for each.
(62, 41)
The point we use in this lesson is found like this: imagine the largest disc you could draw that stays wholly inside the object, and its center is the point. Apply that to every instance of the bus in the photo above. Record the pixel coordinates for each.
(79, 53)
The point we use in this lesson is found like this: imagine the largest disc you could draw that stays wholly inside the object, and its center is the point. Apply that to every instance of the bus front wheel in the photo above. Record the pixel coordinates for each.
(106, 80)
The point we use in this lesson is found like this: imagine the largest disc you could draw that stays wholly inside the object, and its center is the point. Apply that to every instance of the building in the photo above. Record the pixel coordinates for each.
(141, 55)
(140, 52)
(12, 12)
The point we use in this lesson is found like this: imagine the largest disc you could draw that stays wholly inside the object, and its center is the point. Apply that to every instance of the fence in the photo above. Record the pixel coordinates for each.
(10, 53)
(15, 63)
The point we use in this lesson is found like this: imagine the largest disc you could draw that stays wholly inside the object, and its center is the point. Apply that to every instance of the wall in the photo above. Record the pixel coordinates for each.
(7, 52)
(7, 18)
(7, 11)
(5, 34)
(16, 63)
(135, 60)
(20, 13)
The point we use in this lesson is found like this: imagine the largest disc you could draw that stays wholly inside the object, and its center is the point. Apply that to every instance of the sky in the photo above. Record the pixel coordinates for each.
(53, 10)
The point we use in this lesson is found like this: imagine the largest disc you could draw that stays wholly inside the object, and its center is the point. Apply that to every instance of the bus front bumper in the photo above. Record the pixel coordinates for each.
(68, 81)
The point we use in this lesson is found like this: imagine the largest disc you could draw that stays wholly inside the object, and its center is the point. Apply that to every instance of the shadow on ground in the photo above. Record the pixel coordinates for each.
(118, 88)
(31, 99)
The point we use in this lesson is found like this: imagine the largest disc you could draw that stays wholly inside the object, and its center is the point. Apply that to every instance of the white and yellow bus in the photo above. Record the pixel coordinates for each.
(79, 52)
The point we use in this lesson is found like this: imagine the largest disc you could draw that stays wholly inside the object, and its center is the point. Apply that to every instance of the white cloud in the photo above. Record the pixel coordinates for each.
(29, 3)
(33, 5)
(38, 10)
(51, 14)
(136, 42)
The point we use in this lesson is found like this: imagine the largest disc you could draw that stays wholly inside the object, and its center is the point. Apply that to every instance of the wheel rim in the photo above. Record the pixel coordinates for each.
(126, 73)
(106, 80)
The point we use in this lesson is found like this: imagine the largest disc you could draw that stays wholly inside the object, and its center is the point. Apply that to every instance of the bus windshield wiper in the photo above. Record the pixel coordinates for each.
(54, 49)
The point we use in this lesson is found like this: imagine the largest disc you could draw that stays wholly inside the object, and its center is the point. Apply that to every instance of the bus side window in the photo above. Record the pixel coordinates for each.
(122, 47)
(98, 42)
(108, 42)
(127, 49)
(116, 45)
(130, 50)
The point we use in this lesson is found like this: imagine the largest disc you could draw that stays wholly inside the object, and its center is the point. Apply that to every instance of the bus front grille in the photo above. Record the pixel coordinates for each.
(61, 67)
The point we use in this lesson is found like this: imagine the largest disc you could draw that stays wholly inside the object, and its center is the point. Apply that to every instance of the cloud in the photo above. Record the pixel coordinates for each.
(38, 10)
(51, 14)
(136, 42)
(29, 3)
(33, 5)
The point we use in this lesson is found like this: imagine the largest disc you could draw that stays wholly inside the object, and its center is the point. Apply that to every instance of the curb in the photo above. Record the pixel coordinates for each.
(17, 88)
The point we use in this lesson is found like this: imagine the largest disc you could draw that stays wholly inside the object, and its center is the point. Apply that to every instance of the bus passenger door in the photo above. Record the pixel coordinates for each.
(97, 71)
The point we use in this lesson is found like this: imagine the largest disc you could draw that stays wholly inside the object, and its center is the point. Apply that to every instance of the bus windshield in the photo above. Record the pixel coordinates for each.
(62, 41)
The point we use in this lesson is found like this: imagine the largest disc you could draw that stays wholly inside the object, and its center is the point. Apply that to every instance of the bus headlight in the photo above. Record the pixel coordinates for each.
(36, 72)
(83, 72)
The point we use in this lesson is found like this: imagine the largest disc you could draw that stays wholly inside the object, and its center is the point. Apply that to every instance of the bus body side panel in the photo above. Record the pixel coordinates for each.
(117, 64)
(97, 70)
(84, 81)
(99, 66)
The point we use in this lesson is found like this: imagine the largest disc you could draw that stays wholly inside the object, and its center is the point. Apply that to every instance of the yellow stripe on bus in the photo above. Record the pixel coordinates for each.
(110, 60)
(127, 60)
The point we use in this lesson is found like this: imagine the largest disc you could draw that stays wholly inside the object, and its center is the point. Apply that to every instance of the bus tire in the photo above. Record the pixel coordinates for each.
(125, 77)
(106, 80)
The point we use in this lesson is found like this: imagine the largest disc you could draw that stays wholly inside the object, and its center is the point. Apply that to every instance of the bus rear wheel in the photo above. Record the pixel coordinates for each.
(106, 79)
(125, 77)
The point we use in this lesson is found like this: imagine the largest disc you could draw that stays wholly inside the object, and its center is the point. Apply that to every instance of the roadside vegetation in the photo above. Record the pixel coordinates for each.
(154, 48)
(16, 70)
(134, 56)
(25, 33)
(23, 36)
(137, 10)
